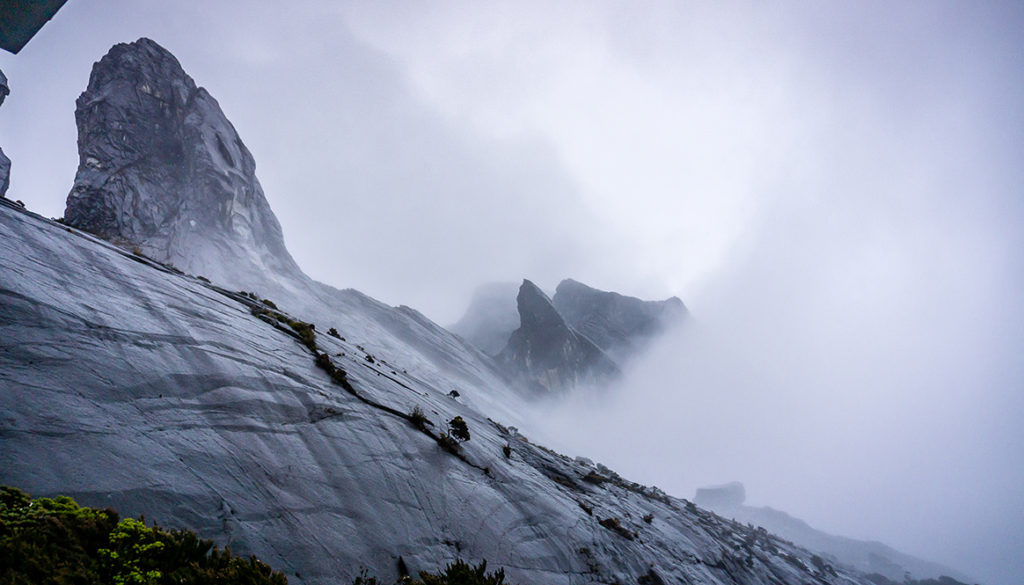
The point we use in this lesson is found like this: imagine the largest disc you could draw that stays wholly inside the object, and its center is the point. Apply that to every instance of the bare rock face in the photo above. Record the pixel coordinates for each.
(618, 324)
(545, 352)
(161, 168)
(5, 89)
(5, 163)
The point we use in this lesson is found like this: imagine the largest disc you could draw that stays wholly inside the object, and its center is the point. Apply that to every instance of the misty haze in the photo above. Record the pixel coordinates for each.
(597, 292)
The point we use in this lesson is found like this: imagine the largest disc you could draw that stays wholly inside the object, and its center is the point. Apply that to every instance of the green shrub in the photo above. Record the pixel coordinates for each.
(418, 418)
(56, 542)
(458, 429)
(306, 332)
(461, 573)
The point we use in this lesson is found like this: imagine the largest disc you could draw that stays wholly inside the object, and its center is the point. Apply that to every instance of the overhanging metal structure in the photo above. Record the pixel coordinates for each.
(20, 20)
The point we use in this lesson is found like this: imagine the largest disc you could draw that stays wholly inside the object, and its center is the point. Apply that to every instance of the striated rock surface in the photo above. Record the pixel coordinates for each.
(546, 353)
(161, 168)
(618, 324)
(125, 384)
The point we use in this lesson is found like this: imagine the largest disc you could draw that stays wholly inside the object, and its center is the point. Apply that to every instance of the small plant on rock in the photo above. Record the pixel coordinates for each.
(418, 419)
(458, 429)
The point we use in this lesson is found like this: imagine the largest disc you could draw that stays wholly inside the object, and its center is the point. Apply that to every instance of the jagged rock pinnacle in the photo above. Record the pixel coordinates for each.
(548, 354)
(162, 168)
(5, 163)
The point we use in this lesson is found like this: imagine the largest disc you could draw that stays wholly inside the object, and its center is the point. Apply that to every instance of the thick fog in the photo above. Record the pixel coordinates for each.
(834, 189)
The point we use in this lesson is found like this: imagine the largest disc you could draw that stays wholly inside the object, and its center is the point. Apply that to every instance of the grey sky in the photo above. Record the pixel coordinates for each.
(834, 188)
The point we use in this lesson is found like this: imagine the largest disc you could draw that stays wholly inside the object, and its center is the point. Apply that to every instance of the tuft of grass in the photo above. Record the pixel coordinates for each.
(306, 331)
(614, 525)
(418, 418)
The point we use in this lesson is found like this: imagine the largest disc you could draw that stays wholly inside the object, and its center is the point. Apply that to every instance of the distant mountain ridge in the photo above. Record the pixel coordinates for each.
(580, 336)
(869, 557)
(547, 355)
(618, 324)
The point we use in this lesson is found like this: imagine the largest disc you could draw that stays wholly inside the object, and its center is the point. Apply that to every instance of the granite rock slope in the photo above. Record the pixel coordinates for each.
(125, 383)
(163, 172)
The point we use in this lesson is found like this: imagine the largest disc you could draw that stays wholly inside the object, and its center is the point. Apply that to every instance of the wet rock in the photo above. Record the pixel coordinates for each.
(546, 353)
(161, 168)
(618, 324)
(5, 163)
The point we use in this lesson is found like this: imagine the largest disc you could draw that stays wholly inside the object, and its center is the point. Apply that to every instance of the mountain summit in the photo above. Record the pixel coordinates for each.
(618, 324)
(545, 352)
(162, 168)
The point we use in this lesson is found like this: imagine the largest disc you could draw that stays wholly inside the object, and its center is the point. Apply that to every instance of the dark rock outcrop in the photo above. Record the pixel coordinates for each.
(5, 89)
(161, 168)
(618, 324)
(5, 163)
(545, 352)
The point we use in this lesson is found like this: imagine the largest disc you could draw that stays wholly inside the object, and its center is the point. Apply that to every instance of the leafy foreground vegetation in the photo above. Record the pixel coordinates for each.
(54, 541)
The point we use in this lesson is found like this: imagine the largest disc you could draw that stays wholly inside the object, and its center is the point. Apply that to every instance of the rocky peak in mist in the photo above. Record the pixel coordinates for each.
(162, 168)
(618, 324)
(491, 317)
(545, 352)
(580, 333)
